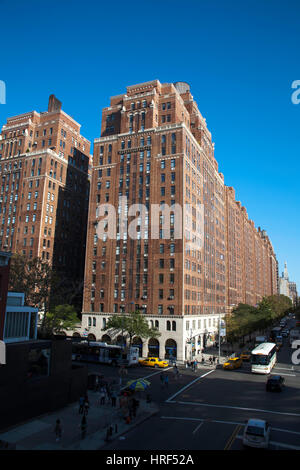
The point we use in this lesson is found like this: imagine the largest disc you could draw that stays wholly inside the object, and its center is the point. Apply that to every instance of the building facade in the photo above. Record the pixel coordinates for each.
(293, 292)
(287, 287)
(155, 150)
(251, 265)
(44, 168)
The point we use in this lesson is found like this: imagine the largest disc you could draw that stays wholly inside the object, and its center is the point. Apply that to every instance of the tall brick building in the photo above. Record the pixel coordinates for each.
(251, 265)
(44, 168)
(156, 149)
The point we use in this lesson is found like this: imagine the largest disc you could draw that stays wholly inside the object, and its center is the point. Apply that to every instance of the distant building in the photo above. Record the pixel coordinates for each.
(287, 287)
(293, 292)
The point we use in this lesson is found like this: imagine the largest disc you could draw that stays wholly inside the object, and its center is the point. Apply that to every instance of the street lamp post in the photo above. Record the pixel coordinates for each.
(219, 339)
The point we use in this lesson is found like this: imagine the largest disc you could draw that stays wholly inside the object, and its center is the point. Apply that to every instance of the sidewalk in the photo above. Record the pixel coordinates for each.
(38, 434)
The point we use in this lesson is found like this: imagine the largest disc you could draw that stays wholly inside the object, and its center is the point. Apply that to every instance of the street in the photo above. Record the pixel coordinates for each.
(207, 409)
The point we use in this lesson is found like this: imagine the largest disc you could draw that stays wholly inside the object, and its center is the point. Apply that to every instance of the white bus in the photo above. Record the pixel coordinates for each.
(263, 358)
(104, 353)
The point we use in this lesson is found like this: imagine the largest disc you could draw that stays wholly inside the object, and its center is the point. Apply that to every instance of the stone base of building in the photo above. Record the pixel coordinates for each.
(181, 339)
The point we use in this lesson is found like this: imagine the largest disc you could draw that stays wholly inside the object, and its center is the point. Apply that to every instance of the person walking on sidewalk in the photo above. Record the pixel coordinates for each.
(83, 427)
(162, 380)
(58, 430)
(102, 396)
(167, 381)
(86, 406)
(81, 404)
(113, 398)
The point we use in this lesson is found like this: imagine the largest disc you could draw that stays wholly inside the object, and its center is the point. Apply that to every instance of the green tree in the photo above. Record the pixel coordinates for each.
(60, 318)
(34, 277)
(130, 325)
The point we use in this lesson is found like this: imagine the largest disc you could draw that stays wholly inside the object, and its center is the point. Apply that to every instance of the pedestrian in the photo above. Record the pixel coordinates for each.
(176, 372)
(97, 383)
(211, 360)
(113, 398)
(162, 380)
(86, 406)
(135, 405)
(81, 404)
(195, 363)
(202, 360)
(102, 396)
(58, 430)
(83, 427)
(131, 407)
(166, 381)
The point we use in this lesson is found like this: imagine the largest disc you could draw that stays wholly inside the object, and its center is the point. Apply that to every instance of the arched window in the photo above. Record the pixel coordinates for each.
(94, 321)
(173, 325)
(90, 321)
(157, 324)
(168, 325)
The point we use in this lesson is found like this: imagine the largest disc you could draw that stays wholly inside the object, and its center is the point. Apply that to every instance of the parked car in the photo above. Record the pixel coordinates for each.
(275, 383)
(256, 433)
(153, 362)
(233, 363)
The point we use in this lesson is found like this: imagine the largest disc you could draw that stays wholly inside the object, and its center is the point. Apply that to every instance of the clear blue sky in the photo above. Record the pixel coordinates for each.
(240, 58)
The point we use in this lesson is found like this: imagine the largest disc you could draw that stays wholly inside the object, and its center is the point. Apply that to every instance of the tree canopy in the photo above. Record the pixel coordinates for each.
(130, 325)
(60, 318)
(246, 319)
(34, 277)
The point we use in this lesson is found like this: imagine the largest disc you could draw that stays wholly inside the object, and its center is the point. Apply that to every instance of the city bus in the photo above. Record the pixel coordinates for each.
(104, 353)
(263, 358)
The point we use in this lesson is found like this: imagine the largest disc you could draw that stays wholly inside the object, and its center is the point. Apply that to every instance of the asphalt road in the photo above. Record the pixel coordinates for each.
(207, 409)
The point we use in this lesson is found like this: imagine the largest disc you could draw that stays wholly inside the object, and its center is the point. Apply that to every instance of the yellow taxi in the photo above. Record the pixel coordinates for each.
(233, 363)
(246, 355)
(153, 362)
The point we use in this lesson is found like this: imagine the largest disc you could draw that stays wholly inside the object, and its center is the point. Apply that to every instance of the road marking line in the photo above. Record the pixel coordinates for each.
(282, 368)
(232, 437)
(198, 427)
(204, 420)
(278, 444)
(290, 375)
(234, 408)
(218, 421)
(188, 385)
(147, 376)
(285, 430)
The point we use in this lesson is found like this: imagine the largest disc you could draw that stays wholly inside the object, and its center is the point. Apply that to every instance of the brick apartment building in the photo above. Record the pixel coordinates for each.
(251, 265)
(155, 148)
(44, 171)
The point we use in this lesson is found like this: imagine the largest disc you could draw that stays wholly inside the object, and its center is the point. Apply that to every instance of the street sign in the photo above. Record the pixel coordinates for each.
(222, 328)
